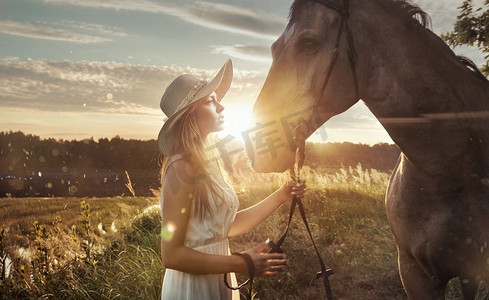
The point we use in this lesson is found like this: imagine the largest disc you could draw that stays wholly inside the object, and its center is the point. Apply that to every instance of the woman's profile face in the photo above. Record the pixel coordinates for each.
(209, 114)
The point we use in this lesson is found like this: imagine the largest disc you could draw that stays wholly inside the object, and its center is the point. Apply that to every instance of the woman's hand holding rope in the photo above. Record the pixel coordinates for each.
(269, 264)
(293, 188)
(266, 264)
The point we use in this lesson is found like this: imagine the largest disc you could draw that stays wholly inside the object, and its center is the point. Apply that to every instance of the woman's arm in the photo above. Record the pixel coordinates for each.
(250, 217)
(177, 198)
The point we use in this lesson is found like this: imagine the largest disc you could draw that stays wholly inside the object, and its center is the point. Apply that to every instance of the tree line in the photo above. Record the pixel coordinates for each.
(31, 166)
(35, 167)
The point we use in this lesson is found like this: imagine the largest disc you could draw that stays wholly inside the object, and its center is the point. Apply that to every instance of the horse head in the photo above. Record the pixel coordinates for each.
(312, 78)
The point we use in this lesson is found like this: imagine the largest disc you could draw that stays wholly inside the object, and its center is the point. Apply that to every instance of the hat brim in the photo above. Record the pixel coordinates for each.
(220, 84)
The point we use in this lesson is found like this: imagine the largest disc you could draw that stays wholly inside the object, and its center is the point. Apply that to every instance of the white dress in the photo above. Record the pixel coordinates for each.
(209, 236)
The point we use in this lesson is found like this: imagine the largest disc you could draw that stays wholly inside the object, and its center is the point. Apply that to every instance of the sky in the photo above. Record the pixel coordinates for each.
(76, 69)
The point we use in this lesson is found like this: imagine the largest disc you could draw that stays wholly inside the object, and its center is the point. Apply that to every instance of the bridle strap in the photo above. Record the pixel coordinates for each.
(344, 13)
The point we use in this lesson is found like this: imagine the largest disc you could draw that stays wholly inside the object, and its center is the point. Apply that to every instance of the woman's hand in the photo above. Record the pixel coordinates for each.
(266, 264)
(291, 188)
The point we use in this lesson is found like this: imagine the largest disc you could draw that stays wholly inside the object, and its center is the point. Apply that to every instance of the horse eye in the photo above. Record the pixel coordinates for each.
(308, 46)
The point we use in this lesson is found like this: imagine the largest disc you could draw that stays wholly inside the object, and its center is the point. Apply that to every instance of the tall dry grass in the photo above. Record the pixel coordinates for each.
(345, 211)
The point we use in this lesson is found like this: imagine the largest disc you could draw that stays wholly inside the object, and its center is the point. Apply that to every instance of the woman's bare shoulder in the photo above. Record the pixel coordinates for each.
(181, 171)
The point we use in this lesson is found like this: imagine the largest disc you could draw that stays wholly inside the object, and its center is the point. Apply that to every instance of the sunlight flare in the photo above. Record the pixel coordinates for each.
(168, 231)
(237, 119)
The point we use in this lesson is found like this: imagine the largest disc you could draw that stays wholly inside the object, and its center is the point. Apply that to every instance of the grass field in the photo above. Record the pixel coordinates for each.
(108, 214)
(345, 211)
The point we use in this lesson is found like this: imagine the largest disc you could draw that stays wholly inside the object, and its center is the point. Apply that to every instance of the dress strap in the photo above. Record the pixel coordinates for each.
(171, 160)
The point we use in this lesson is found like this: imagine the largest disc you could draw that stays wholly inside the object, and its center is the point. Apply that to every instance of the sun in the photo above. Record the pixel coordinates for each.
(237, 119)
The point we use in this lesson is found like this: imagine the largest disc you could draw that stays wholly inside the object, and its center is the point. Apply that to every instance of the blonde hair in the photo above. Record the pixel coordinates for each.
(202, 155)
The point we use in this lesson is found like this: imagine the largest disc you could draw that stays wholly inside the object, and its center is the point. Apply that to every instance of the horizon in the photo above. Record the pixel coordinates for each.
(96, 139)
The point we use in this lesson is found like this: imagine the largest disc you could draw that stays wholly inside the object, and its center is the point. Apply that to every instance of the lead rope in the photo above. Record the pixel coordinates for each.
(251, 273)
(300, 140)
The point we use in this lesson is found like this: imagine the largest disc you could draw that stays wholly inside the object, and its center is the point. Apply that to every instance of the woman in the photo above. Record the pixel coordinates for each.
(199, 207)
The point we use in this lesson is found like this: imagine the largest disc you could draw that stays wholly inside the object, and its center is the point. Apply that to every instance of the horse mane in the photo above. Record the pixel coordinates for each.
(469, 64)
(410, 12)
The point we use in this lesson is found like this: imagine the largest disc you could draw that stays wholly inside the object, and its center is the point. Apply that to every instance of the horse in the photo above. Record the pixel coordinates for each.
(433, 104)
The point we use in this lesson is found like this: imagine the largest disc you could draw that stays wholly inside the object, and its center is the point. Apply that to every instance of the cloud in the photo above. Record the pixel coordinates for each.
(357, 117)
(223, 17)
(444, 15)
(245, 52)
(90, 27)
(109, 98)
(234, 19)
(101, 87)
(47, 33)
(123, 89)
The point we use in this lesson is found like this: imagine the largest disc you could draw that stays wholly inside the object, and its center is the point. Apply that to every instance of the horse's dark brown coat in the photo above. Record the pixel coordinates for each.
(434, 106)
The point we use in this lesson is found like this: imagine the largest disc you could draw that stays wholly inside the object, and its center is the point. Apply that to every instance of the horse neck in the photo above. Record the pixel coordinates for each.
(415, 85)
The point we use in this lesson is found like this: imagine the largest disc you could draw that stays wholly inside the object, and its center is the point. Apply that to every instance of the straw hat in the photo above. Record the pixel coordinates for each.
(185, 90)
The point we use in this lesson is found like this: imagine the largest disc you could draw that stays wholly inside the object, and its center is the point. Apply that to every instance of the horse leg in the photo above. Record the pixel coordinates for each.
(417, 284)
(470, 285)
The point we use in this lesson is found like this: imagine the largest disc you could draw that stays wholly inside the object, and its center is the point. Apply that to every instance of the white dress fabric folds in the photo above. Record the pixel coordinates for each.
(207, 235)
